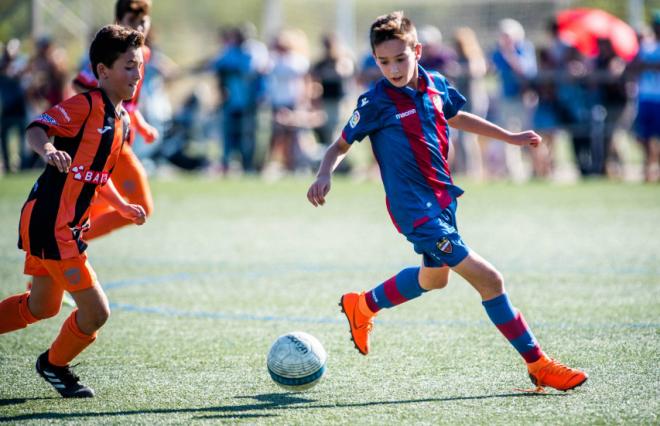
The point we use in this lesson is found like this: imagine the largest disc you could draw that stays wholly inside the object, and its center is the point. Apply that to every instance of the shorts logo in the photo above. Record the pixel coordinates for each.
(45, 118)
(355, 119)
(437, 101)
(104, 129)
(89, 176)
(73, 275)
(444, 245)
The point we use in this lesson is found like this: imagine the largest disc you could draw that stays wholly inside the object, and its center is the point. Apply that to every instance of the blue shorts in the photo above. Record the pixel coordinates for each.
(438, 240)
(647, 123)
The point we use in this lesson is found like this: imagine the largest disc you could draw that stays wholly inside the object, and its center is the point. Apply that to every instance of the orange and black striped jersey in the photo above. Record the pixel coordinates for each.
(56, 212)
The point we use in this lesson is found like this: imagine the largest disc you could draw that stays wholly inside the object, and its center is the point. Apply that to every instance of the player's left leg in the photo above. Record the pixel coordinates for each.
(489, 283)
(79, 330)
(131, 182)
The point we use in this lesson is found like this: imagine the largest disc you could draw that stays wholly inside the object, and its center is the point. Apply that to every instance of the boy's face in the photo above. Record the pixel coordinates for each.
(398, 61)
(120, 80)
(139, 22)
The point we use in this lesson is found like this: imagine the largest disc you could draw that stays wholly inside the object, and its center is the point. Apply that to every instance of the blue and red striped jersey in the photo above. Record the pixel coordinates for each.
(410, 139)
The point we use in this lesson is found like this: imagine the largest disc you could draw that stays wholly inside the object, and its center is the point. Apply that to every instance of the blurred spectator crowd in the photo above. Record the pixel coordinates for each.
(277, 110)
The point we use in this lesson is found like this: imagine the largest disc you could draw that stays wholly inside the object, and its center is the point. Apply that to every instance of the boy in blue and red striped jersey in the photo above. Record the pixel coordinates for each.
(407, 116)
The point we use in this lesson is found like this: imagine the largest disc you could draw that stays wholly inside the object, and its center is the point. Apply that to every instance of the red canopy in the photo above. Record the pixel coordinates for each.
(582, 28)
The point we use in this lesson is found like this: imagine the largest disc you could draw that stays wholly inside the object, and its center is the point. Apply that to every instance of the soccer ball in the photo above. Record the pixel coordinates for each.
(296, 361)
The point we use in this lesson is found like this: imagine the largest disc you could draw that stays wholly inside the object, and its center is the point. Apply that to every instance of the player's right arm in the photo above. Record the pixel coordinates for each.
(40, 143)
(364, 121)
(64, 119)
(321, 186)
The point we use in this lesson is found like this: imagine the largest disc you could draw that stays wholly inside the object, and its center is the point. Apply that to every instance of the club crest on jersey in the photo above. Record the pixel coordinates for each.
(355, 119)
(89, 176)
(444, 245)
(437, 101)
(45, 118)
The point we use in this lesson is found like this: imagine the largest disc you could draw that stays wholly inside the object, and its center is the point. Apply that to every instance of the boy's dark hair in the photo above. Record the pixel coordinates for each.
(390, 27)
(110, 42)
(137, 7)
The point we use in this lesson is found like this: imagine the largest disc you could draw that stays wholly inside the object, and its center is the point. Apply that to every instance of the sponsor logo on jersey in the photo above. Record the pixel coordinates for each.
(89, 176)
(355, 119)
(45, 118)
(63, 112)
(444, 245)
(104, 129)
(406, 114)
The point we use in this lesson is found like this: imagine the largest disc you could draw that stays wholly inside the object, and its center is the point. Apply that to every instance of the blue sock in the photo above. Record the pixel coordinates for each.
(401, 288)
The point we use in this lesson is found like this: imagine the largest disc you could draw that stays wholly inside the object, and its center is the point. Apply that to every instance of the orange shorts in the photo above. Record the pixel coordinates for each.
(71, 275)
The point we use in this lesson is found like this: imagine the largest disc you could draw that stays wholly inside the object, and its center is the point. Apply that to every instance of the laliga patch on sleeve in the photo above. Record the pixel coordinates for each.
(355, 119)
(47, 119)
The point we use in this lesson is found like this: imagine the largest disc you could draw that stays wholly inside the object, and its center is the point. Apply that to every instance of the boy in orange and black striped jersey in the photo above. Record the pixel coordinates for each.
(89, 130)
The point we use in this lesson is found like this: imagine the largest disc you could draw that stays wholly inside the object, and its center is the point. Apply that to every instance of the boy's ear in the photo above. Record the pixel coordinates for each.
(102, 70)
(418, 51)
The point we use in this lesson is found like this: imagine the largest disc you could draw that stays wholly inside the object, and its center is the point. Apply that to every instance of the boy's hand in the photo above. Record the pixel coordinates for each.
(134, 212)
(525, 138)
(318, 191)
(59, 159)
(149, 133)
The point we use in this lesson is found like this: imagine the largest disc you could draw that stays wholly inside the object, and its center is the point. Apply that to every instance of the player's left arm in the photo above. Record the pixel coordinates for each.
(474, 124)
(149, 132)
(134, 212)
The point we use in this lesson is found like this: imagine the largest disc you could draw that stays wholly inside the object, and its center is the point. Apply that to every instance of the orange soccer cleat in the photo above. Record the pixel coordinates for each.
(361, 323)
(549, 372)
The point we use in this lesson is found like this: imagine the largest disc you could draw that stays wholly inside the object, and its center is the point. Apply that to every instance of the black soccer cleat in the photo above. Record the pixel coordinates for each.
(62, 379)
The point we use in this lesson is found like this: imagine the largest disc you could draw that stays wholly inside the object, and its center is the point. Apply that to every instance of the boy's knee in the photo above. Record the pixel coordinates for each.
(93, 321)
(101, 317)
(495, 280)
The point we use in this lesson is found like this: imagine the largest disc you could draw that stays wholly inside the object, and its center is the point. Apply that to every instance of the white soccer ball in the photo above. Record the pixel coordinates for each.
(296, 361)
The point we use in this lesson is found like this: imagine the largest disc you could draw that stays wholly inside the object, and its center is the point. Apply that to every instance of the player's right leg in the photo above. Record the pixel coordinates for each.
(361, 308)
(42, 301)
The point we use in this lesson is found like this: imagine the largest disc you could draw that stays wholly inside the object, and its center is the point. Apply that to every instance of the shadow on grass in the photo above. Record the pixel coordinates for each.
(16, 401)
(265, 402)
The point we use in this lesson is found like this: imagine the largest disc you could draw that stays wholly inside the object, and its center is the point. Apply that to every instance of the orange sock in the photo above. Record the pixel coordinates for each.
(105, 224)
(15, 314)
(69, 343)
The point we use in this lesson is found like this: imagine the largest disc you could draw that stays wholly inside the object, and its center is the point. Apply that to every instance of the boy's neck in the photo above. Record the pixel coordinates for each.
(414, 81)
(116, 101)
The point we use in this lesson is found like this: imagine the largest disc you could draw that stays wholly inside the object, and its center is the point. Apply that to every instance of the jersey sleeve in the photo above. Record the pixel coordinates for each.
(365, 120)
(452, 99)
(64, 119)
